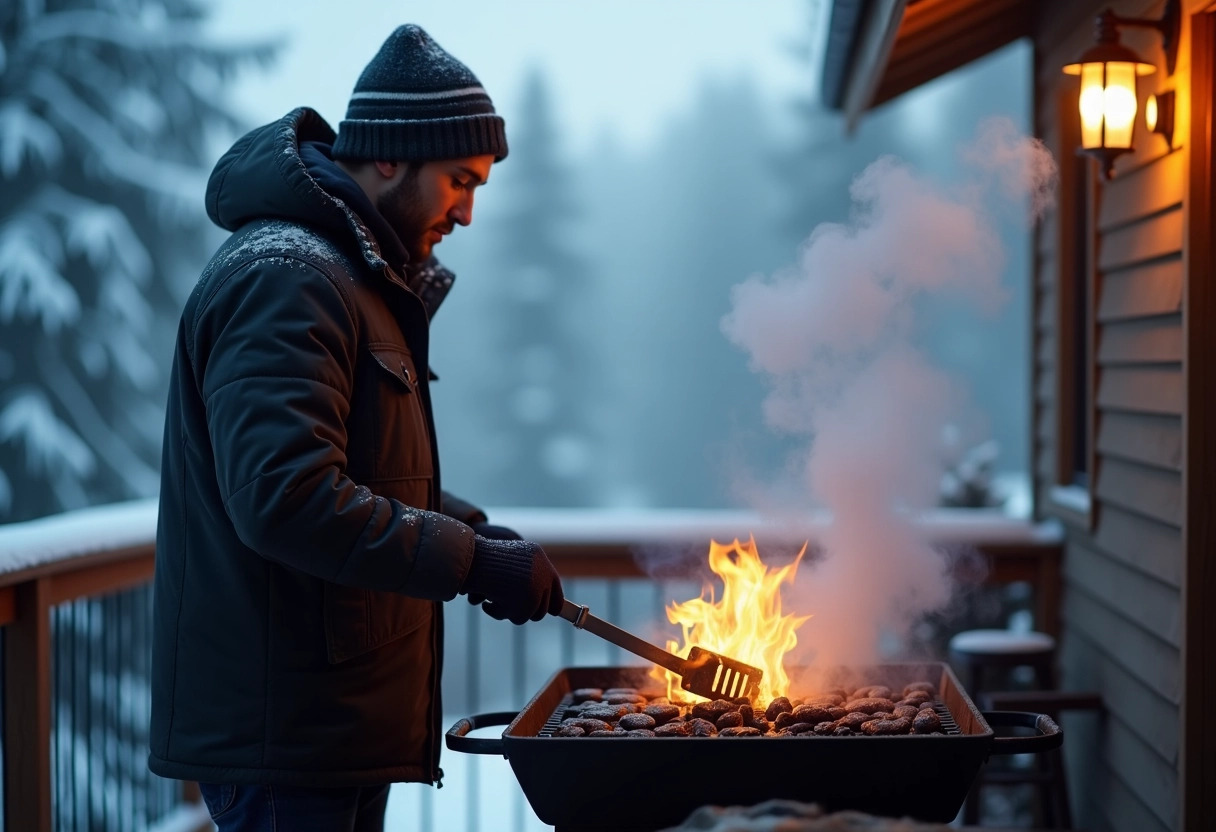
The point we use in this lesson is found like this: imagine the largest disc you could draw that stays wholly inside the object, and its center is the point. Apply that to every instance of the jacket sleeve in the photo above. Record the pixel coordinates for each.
(462, 510)
(273, 351)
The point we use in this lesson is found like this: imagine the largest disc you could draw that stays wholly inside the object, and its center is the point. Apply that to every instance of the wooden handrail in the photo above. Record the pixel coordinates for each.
(8, 605)
(99, 563)
(129, 568)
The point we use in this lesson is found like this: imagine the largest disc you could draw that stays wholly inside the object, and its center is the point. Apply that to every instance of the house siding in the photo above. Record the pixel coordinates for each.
(1124, 562)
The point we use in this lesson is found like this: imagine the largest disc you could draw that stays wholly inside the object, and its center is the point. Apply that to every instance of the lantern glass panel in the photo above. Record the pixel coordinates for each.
(1119, 104)
(1092, 104)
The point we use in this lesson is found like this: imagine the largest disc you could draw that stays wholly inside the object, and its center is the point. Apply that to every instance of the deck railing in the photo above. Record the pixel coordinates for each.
(75, 621)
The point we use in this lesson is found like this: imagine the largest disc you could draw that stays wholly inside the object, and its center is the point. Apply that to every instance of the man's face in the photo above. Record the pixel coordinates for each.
(424, 203)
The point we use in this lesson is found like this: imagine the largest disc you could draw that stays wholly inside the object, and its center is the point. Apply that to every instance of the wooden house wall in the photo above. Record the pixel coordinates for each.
(1124, 560)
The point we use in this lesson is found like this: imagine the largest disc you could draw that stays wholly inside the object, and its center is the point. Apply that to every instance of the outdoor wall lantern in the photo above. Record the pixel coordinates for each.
(1108, 71)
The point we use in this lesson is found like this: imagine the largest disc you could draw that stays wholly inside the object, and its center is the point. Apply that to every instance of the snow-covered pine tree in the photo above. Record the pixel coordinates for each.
(106, 107)
(542, 375)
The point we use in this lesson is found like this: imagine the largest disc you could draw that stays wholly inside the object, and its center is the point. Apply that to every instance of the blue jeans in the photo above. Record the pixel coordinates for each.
(295, 809)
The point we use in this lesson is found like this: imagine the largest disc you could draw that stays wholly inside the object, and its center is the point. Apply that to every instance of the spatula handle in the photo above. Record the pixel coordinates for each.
(580, 617)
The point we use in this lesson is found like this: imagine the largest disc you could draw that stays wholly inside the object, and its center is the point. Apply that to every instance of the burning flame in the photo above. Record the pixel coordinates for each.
(746, 624)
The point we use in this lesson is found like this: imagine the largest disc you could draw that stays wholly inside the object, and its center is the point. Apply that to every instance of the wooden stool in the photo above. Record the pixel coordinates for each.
(975, 656)
(974, 652)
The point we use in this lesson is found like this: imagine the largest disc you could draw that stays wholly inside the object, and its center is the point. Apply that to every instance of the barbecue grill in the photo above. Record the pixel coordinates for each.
(639, 783)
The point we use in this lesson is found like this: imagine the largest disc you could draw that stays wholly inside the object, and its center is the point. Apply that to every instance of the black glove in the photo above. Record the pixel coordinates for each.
(494, 533)
(516, 578)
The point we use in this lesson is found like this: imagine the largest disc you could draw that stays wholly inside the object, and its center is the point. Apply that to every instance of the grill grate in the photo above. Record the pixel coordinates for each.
(555, 719)
(949, 726)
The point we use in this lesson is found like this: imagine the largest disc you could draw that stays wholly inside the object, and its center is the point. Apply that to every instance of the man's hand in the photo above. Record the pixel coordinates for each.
(514, 577)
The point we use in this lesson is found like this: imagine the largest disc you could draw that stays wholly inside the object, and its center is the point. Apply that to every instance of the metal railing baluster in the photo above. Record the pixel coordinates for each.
(140, 621)
(80, 722)
(476, 620)
(126, 722)
(57, 751)
(109, 709)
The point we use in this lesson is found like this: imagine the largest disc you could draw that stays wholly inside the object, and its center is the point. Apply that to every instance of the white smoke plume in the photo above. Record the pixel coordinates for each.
(835, 337)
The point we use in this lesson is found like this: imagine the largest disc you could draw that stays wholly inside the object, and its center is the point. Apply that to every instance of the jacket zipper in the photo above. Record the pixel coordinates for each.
(436, 692)
(436, 772)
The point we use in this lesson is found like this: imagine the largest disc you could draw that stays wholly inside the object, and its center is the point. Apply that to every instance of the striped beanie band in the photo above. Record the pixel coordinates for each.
(415, 102)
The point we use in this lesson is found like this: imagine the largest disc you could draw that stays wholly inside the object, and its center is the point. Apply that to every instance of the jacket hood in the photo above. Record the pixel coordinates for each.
(263, 176)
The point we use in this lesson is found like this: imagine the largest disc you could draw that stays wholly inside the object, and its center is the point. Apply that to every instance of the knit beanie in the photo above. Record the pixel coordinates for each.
(415, 102)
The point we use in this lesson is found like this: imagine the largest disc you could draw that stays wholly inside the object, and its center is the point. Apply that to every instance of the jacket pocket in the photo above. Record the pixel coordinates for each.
(394, 362)
(403, 445)
(359, 620)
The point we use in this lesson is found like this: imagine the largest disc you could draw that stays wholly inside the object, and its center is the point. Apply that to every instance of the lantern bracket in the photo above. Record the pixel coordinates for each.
(1169, 25)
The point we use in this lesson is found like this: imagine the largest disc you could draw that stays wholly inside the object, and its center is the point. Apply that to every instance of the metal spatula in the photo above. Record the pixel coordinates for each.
(704, 672)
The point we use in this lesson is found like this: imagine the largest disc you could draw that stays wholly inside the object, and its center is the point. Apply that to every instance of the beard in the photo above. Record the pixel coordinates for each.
(402, 207)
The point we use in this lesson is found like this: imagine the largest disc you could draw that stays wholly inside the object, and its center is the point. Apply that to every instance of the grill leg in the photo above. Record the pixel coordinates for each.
(971, 806)
(1055, 800)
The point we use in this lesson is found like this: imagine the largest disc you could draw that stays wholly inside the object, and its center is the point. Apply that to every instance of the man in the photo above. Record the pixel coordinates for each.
(304, 544)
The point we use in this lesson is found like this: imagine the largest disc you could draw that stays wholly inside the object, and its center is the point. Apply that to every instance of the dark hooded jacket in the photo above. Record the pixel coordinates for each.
(301, 554)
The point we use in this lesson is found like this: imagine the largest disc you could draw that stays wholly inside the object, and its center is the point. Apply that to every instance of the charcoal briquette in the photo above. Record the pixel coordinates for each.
(739, 731)
(661, 714)
(730, 719)
(926, 722)
(633, 722)
(780, 705)
(673, 729)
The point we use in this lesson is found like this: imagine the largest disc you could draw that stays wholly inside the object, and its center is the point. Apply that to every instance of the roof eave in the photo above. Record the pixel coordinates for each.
(861, 35)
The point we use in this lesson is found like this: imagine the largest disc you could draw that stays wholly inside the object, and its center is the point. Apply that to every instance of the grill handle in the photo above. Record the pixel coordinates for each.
(1049, 735)
(458, 738)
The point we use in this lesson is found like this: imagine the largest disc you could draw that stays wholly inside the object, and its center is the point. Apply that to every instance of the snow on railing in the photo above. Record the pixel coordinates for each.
(122, 525)
(74, 533)
(593, 525)
(127, 524)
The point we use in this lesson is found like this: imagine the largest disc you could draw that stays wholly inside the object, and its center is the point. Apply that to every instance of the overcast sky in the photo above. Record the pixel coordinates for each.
(615, 64)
